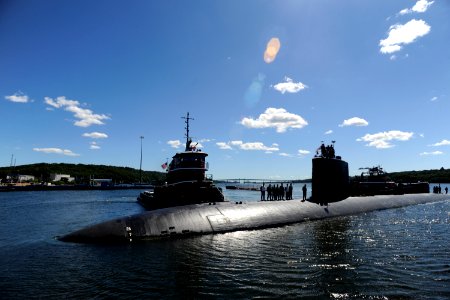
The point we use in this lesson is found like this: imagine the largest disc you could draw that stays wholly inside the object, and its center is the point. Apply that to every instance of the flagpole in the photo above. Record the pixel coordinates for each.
(140, 164)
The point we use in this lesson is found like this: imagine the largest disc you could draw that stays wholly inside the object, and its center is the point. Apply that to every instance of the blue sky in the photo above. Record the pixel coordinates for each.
(265, 81)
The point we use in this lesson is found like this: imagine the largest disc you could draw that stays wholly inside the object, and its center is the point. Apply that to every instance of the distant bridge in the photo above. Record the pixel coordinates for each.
(260, 181)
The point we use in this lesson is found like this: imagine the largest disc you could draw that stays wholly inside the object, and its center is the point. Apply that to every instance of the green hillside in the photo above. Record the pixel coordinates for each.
(83, 173)
(435, 176)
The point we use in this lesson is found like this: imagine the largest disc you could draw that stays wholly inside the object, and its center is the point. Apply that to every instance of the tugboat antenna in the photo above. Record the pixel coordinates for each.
(187, 118)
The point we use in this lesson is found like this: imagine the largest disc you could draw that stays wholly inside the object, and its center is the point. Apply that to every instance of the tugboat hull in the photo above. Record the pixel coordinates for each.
(183, 193)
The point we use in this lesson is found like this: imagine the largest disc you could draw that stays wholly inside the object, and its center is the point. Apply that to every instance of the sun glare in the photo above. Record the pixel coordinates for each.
(273, 46)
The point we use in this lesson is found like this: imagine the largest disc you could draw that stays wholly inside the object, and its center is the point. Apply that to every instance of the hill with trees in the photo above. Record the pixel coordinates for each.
(434, 176)
(83, 173)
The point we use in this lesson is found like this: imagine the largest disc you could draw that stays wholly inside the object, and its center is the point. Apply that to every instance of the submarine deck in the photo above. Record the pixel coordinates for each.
(229, 216)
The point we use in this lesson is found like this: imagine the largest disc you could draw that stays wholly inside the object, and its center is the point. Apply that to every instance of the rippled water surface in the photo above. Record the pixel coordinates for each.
(391, 254)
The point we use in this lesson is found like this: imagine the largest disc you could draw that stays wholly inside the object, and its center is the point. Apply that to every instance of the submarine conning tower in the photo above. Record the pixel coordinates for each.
(330, 178)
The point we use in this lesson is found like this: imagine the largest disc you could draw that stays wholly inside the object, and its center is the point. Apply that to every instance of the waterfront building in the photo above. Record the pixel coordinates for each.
(61, 177)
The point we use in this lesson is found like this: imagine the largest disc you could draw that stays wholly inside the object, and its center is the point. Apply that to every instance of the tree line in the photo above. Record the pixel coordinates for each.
(83, 173)
(435, 176)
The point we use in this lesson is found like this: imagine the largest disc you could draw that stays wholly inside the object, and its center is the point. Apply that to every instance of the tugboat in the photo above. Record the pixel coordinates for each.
(186, 183)
(375, 181)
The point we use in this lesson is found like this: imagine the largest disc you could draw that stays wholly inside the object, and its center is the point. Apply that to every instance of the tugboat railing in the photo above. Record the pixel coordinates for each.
(181, 182)
(182, 169)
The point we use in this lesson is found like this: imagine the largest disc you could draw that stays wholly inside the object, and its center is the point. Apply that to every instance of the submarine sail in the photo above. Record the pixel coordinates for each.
(330, 177)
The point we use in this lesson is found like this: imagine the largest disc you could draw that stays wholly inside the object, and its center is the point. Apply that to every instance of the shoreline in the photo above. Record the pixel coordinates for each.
(30, 188)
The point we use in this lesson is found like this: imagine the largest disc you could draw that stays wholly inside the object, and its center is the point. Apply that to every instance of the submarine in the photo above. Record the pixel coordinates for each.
(330, 198)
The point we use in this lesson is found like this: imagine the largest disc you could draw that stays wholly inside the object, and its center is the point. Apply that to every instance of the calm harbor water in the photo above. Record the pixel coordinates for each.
(391, 254)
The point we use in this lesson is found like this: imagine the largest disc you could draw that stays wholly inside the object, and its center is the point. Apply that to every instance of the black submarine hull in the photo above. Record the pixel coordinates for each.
(225, 217)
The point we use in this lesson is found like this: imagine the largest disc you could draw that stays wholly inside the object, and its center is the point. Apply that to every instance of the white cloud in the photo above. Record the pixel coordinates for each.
(56, 151)
(205, 140)
(258, 146)
(174, 143)
(329, 131)
(96, 135)
(285, 154)
(289, 86)
(60, 102)
(405, 11)
(253, 146)
(441, 143)
(382, 140)
(432, 153)
(94, 146)
(18, 98)
(224, 146)
(433, 99)
(278, 118)
(303, 152)
(236, 143)
(400, 35)
(355, 121)
(86, 117)
(421, 6)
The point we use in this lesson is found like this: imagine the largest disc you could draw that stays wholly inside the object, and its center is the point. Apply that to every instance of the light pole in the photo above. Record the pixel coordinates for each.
(140, 164)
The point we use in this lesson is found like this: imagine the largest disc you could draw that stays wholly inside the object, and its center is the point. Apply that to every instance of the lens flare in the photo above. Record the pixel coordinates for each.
(273, 46)
(254, 91)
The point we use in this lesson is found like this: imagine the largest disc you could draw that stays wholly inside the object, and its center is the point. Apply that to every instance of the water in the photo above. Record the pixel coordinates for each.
(391, 254)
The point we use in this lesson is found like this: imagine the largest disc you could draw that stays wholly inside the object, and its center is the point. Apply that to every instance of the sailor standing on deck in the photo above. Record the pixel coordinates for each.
(304, 192)
(263, 192)
(290, 191)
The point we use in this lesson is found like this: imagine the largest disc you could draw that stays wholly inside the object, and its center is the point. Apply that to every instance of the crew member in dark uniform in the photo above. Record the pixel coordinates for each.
(263, 192)
(304, 189)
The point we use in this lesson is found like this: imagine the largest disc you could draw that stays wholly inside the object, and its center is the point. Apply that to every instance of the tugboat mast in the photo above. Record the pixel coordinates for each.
(188, 139)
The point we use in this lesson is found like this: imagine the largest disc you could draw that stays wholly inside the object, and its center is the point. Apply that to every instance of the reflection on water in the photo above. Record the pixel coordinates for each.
(335, 265)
